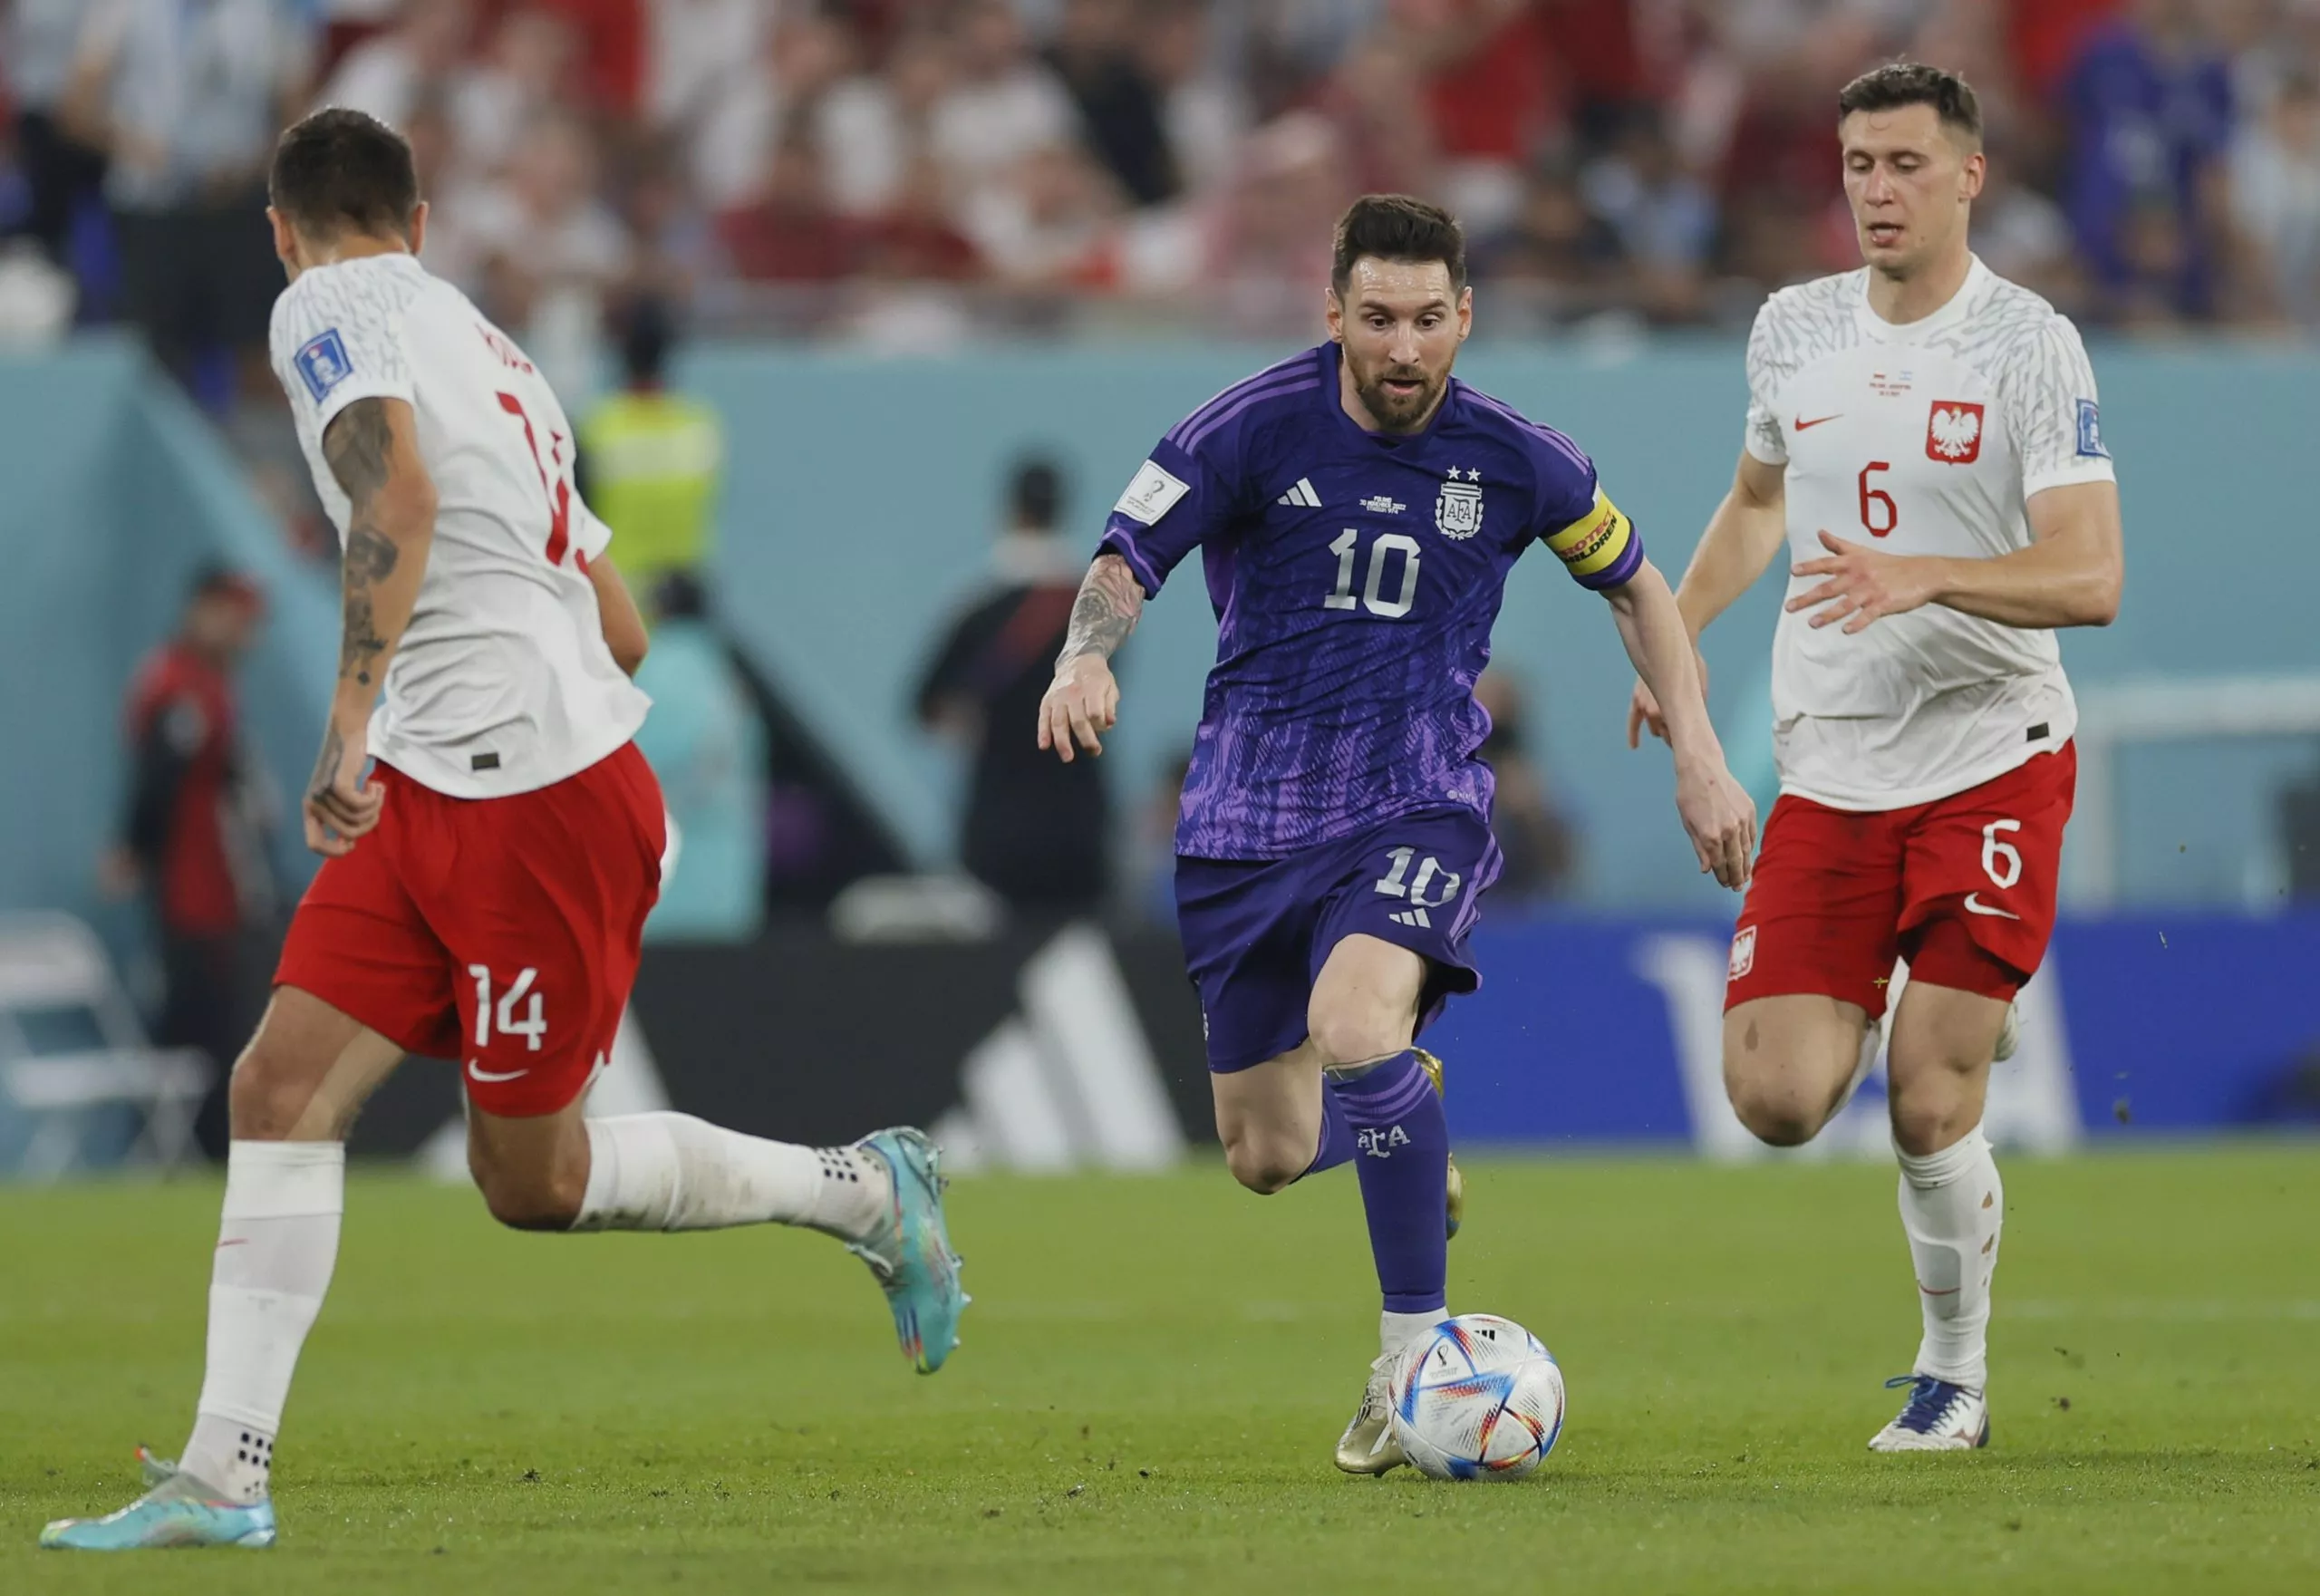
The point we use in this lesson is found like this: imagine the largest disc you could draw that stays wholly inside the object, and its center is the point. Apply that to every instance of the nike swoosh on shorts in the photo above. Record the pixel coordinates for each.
(1974, 906)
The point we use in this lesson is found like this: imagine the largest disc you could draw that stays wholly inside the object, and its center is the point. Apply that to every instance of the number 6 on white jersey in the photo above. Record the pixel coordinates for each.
(531, 1026)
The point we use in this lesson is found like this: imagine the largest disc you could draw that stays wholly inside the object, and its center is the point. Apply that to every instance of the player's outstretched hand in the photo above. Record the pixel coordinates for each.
(1863, 584)
(1082, 703)
(1720, 818)
(340, 807)
(1643, 708)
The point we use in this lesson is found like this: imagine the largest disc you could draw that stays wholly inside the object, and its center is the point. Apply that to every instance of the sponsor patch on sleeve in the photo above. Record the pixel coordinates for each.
(322, 361)
(1151, 495)
(1595, 547)
(2090, 432)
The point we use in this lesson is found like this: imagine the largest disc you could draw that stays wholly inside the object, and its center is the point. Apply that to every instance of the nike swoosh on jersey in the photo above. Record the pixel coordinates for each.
(490, 1078)
(1805, 426)
(1974, 906)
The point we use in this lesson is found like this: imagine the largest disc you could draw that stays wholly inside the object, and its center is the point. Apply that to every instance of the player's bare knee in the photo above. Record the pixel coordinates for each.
(1264, 1163)
(269, 1092)
(1773, 1108)
(1932, 1109)
(1776, 1115)
(1354, 1032)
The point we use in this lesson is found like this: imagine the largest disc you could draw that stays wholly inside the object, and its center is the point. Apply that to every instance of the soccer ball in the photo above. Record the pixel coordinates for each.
(1477, 1396)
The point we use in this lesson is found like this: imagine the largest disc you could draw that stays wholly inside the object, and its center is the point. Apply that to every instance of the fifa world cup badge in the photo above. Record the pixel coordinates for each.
(1458, 511)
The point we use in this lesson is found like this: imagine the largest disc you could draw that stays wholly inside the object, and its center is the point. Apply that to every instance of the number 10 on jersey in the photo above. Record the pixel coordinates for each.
(1373, 592)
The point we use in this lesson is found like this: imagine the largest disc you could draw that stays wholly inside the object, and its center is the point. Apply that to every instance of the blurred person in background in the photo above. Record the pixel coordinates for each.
(540, 251)
(782, 96)
(424, 50)
(2150, 104)
(789, 232)
(531, 66)
(1665, 221)
(1487, 95)
(1204, 109)
(651, 459)
(184, 97)
(194, 836)
(2276, 198)
(62, 175)
(1001, 106)
(1037, 831)
(1542, 856)
(873, 126)
(1051, 223)
(705, 742)
(1096, 59)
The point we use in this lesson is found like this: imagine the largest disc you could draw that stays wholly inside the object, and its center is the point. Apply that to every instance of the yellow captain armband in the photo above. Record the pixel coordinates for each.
(1602, 548)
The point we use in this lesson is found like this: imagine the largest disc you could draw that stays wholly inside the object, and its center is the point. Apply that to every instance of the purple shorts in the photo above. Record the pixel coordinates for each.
(1256, 932)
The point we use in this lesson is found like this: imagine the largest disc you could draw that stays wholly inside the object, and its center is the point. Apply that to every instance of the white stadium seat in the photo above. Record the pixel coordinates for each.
(52, 966)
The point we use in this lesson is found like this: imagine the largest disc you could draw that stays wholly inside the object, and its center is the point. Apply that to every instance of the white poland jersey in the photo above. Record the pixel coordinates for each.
(1924, 438)
(503, 681)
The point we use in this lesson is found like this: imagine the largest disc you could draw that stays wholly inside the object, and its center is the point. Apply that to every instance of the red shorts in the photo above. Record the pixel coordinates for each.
(501, 932)
(1963, 887)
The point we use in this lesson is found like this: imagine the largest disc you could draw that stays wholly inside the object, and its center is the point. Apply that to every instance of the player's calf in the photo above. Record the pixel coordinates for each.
(533, 1172)
(1274, 1121)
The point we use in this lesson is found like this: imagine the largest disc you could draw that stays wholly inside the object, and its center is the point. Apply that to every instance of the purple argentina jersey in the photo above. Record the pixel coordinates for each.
(1355, 577)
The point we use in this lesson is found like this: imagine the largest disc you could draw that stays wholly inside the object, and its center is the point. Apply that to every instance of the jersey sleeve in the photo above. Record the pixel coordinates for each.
(590, 533)
(1178, 499)
(2050, 399)
(339, 341)
(1578, 522)
(1763, 439)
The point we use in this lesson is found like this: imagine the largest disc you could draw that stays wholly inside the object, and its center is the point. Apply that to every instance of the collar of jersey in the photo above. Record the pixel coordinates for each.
(1924, 327)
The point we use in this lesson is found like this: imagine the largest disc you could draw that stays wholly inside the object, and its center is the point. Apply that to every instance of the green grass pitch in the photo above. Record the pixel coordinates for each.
(1154, 1370)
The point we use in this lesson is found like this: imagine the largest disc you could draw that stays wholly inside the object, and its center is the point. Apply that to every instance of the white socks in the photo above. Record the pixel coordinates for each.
(1953, 1205)
(1397, 1330)
(277, 1241)
(673, 1172)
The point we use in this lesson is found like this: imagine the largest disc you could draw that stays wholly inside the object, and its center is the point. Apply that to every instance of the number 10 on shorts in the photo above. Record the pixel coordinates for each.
(531, 1024)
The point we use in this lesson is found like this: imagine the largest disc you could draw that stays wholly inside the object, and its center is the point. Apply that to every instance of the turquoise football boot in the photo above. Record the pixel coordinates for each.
(910, 1252)
(178, 1511)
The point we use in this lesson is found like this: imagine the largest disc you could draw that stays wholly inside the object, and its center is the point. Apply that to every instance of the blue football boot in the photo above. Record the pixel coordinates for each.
(910, 1252)
(177, 1510)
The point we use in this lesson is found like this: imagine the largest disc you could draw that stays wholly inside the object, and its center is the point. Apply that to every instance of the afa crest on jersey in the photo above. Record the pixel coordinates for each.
(1953, 433)
(1458, 509)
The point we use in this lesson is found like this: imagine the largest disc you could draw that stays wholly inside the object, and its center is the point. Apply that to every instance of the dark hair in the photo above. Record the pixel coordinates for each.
(215, 579)
(647, 332)
(679, 597)
(1036, 494)
(1898, 84)
(340, 170)
(1394, 227)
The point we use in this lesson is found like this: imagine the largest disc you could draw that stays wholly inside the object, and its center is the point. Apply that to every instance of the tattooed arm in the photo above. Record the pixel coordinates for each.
(1083, 702)
(372, 448)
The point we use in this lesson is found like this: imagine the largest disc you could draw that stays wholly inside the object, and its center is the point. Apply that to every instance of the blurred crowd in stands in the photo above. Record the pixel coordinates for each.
(916, 171)
(911, 174)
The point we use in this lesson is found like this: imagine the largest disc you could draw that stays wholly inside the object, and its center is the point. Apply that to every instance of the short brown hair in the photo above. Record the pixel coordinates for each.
(1394, 227)
(1898, 84)
(341, 169)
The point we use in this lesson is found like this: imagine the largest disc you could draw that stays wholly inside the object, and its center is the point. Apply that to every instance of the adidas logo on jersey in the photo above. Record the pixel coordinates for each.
(1417, 917)
(1302, 496)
